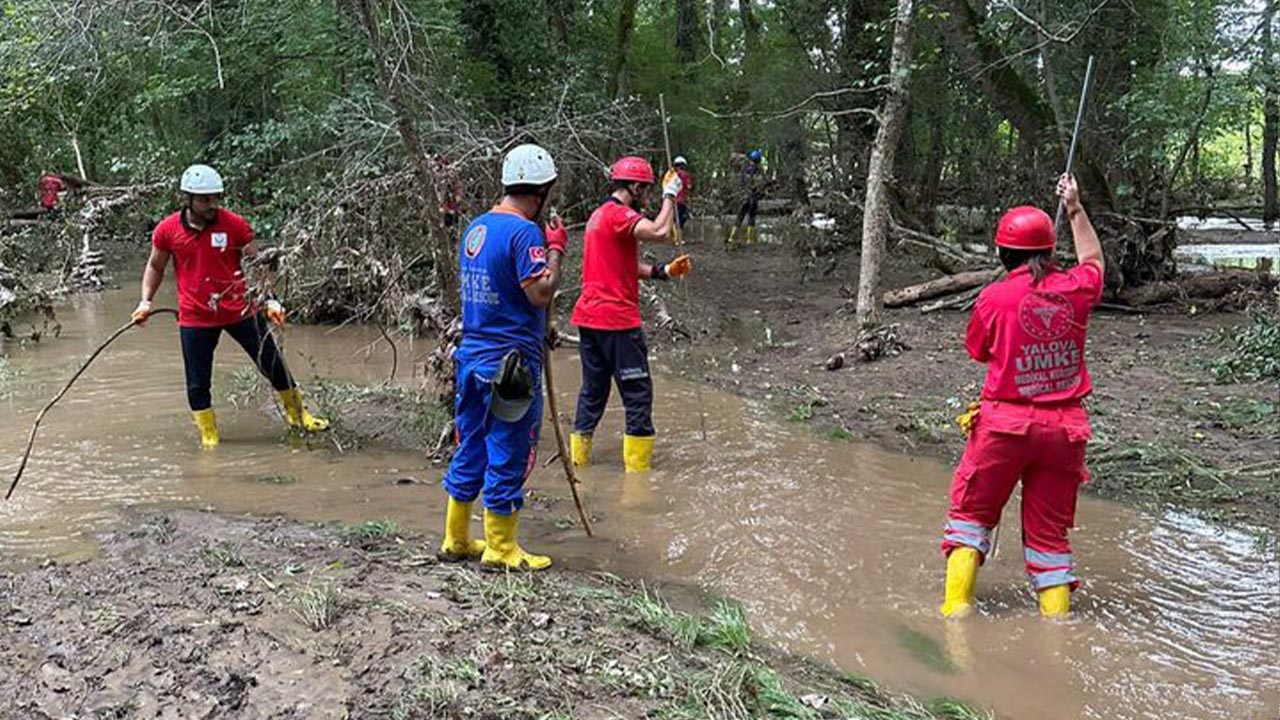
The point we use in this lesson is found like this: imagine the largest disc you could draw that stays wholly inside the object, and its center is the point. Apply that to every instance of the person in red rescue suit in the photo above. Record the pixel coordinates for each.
(1030, 330)
(207, 243)
(52, 186)
(613, 345)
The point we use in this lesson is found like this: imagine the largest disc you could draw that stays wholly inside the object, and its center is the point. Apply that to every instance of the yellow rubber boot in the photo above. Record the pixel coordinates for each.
(637, 453)
(962, 575)
(208, 424)
(296, 414)
(502, 551)
(751, 235)
(1055, 602)
(580, 449)
(733, 235)
(458, 545)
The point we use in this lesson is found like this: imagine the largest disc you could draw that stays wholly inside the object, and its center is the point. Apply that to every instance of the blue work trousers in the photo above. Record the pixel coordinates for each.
(493, 456)
(620, 356)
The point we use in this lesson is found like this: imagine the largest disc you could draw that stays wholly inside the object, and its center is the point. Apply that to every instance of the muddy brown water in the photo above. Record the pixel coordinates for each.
(831, 547)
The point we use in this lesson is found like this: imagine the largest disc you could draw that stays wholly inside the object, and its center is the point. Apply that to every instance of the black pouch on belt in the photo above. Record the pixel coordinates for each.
(512, 388)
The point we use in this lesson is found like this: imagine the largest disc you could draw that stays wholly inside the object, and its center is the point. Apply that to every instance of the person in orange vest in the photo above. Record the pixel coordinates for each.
(206, 243)
(1030, 330)
(613, 344)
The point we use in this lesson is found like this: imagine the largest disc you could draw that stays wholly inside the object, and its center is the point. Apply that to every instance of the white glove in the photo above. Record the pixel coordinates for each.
(671, 184)
(143, 311)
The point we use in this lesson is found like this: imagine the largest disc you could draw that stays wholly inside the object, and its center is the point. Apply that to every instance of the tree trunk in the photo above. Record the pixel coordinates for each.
(688, 31)
(1270, 117)
(875, 216)
(560, 16)
(622, 47)
(944, 285)
(719, 21)
(369, 14)
(750, 30)
(931, 180)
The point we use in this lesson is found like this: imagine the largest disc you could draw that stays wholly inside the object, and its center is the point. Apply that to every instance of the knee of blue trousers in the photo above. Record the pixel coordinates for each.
(512, 453)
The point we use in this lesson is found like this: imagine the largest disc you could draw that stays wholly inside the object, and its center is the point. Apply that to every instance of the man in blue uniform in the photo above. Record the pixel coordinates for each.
(509, 270)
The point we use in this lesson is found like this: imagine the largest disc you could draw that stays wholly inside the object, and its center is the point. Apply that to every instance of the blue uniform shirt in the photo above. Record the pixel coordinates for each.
(500, 251)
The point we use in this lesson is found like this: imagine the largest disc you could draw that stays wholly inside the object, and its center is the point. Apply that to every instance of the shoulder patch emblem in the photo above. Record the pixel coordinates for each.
(475, 241)
(537, 254)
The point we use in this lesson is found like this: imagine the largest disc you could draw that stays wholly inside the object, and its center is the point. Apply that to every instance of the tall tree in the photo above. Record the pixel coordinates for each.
(1270, 116)
(875, 214)
(688, 31)
(390, 78)
(622, 47)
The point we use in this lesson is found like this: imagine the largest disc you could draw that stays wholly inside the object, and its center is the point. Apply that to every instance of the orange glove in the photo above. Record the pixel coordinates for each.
(139, 316)
(275, 313)
(680, 267)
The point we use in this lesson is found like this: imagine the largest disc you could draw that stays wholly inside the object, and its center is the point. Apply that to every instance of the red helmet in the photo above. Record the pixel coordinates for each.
(632, 169)
(1025, 228)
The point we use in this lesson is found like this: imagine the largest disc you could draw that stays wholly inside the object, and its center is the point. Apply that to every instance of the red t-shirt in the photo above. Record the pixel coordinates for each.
(686, 188)
(206, 268)
(1032, 338)
(610, 297)
(50, 186)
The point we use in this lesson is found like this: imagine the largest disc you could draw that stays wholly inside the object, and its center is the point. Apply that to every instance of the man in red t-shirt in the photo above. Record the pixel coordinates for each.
(207, 243)
(607, 314)
(1029, 329)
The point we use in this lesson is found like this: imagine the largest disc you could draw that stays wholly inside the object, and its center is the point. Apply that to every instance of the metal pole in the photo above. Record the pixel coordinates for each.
(1075, 134)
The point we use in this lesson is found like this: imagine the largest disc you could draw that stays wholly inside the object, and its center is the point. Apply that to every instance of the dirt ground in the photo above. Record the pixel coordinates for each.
(764, 320)
(196, 615)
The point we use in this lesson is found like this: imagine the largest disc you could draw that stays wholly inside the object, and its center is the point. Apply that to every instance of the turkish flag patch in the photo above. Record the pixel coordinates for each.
(537, 254)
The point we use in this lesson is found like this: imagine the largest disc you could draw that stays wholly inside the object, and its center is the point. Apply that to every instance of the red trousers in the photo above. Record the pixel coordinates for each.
(1043, 446)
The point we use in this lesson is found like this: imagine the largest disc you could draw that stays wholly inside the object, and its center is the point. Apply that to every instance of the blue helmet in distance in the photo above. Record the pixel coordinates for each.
(755, 155)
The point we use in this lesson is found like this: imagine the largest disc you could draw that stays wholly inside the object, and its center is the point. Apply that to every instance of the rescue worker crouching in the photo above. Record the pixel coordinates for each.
(509, 273)
(613, 345)
(1030, 330)
(207, 244)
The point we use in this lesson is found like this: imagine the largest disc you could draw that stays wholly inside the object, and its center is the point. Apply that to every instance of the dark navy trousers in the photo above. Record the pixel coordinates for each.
(610, 356)
(198, 344)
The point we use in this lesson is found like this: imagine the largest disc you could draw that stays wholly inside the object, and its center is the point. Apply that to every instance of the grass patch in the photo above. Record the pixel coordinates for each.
(223, 555)
(159, 528)
(370, 530)
(726, 628)
(317, 606)
(839, 434)
(651, 613)
(430, 694)
(276, 479)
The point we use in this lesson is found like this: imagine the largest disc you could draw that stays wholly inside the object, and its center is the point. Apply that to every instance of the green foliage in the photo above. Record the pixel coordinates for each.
(1252, 350)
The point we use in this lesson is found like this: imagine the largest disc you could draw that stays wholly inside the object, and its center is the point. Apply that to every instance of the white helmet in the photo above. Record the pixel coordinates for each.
(679, 160)
(200, 180)
(528, 165)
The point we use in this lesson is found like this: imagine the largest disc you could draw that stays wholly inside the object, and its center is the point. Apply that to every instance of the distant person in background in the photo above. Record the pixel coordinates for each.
(750, 188)
(683, 208)
(52, 187)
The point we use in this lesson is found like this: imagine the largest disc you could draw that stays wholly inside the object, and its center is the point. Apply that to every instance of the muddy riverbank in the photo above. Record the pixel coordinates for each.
(198, 615)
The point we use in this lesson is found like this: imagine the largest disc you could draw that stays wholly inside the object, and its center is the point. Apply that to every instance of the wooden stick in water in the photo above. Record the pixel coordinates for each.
(31, 439)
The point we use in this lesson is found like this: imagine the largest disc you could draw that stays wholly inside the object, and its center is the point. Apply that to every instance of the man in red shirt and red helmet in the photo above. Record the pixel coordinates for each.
(1029, 329)
(607, 314)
